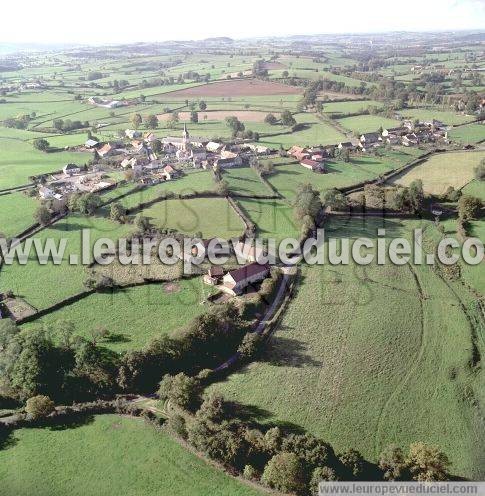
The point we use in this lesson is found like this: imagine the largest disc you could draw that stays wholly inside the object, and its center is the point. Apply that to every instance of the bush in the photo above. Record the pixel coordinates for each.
(284, 472)
(250, 473)
(39, 406)
(469, 207)
(176, 424)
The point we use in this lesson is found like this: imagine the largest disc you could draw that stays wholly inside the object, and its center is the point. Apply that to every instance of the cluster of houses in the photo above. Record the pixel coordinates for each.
(408, 134)
(172, 154)
(103, 103)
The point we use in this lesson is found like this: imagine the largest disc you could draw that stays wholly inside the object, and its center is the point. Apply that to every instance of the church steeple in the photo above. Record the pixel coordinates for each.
(185, 139)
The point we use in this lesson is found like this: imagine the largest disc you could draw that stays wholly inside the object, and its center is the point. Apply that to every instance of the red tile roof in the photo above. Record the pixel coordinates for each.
(247, 271)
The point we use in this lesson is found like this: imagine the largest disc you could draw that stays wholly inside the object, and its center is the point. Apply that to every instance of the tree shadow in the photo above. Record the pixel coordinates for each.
(7, 439)
(72, 422)
(117, 338)
(287, 352)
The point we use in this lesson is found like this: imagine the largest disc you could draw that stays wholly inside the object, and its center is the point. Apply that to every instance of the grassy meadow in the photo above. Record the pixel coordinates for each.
(369, 356)
(108, 455)
(443, 170)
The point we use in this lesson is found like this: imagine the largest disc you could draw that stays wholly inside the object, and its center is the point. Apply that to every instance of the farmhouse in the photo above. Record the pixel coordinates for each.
(90, 143)
(214, 275)
(132, 134)
(313, 165)
(71, 169)
(236, 281)
(298, 152)
(369, 138)
(107, 150)
(347, 145)
(214, 147)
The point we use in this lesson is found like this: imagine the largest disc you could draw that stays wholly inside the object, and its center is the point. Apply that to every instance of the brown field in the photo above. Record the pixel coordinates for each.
(338, 96)
(220, 115)
(274, 65)
(241, 87)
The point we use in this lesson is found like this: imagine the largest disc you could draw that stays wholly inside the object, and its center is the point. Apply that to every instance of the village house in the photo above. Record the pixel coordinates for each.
(90, 143)
(150, 137)
(298, 152)
(368, 139)
(347, 145)
(313, 165)
(169, 172)
(236, 281)
(46, 193)
(214, 275)
(214, 147)
(106, 150)
(132, 133)
(225, 163)
(71, 169)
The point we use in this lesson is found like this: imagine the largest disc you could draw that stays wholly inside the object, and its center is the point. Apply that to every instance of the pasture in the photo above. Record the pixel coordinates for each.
(133, 316)
(42, 285)
(16, 213)
(197, 216)
(367, 123)
(108, 455)
(369, 356)
(443, 170)
(446, 116)
(469, 134)
(244, 180)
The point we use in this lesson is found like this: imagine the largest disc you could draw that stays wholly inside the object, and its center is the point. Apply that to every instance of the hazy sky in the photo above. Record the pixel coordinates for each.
(108, 21)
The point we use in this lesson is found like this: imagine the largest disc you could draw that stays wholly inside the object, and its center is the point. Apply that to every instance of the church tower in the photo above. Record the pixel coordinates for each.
(186, 139)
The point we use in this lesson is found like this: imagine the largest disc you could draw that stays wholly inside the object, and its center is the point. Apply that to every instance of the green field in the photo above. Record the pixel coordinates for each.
(448, 117)
(367, 123)
(443, 170)
(469, 134)
(19, 160)
(136, 315)
(286, 178)
(274, 218)
(16, 213)
(370, 356)
(213, 217)
(245, 181)
(44, 285)
(108, 455)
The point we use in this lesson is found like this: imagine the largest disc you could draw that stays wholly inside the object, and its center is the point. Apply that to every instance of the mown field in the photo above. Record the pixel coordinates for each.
(245, 181)
(443, 170)
(133, 316)
(213, 217)
(370, 356)
(107, 455)
(446, 116)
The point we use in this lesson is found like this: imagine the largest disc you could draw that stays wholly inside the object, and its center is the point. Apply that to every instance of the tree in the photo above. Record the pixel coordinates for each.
(142, 223)
(287, 118)
(235, 125)
(202, 105)
(306, 202)
(250, 345)
(321, 474)
(39, 406)
(270, 119)
(117, 212)
(469, 207)
(222, 188)
(213, 408)
(42, 215)
(88, 203)
(313, 451)
(194, 117)
(284, 472)
(181, 390)
(353, 463)
(416, 196)
(427, 463)
(41, 144)
(173, 120)
(393, 463)
(151, 122)
(136, 121)
(334, 199)
(157, 146)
